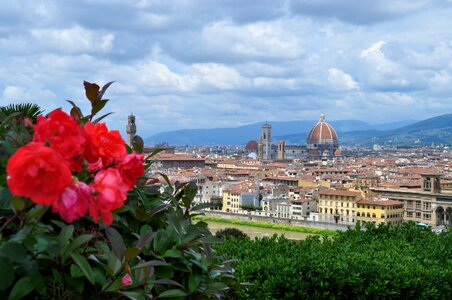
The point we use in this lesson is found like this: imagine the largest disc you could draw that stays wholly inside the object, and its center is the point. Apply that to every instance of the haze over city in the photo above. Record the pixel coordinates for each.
(205, 64)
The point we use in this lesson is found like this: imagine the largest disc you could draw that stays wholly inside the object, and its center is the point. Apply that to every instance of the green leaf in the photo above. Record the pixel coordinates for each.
(164, 272)
(131, 253)
(6, 273)
(145, 239)
(172, 293)
(172, 253)
(80, 240)
(15, 252)
(202, 206)
(151, 263)
(160, 208)
(36, 213)
(103, 90)
(190, 190)
(193, 281)
(114, 264)
(101, 117)
(98, 106)
(165, 177)
(84, 266)
(168, 281)
(217, 286)
(76, 114)
(65, 235)
(211, 240)
(17, 203)
(117, 243)
(75, 271)
(133, 295)
(22, 288)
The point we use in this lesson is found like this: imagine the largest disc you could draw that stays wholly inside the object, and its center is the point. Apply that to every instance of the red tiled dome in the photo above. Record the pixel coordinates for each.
(251, 146)
(322, 133)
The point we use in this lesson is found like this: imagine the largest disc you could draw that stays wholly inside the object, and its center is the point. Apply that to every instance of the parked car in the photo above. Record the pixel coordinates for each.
(439, 229)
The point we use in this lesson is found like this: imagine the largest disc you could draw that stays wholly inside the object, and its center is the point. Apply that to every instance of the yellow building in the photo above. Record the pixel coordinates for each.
(380, 211)
(338, 206)
(232, 196)
(308, 183)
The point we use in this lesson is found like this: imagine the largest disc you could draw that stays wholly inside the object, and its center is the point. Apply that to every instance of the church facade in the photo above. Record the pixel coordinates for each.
(322, 142)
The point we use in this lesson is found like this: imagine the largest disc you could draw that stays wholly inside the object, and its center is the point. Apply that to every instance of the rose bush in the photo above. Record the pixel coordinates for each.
(119, 238)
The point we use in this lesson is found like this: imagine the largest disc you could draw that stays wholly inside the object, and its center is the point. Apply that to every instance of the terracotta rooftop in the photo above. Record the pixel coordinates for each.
(379, 202)
(340, 193)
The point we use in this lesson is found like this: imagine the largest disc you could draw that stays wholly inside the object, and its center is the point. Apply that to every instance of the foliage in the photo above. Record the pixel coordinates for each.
(230, 232)
(152, 249)
(380, 262)
(317, 231)
(24, 110)
(251, 207)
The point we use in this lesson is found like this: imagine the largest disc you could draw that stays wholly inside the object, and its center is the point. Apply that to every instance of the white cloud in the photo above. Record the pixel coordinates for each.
(15, 93)
(74, 40)
(341, 80)
(219, 76)
(375, 56)
(199, 64)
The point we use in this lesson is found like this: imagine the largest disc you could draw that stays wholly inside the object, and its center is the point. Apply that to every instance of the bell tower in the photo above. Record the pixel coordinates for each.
(266, 135)
(131, 129)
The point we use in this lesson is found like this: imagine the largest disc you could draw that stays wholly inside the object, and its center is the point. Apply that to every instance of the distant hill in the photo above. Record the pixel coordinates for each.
(294, 132)
(436, 130)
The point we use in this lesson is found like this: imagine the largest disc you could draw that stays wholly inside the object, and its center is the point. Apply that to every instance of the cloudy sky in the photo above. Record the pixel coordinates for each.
(221, 63)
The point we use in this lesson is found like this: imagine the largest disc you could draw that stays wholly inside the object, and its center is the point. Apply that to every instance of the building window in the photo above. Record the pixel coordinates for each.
(418, 214)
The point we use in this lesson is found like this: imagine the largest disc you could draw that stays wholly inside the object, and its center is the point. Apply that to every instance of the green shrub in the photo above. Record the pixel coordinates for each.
(401, 262)
(230, 232)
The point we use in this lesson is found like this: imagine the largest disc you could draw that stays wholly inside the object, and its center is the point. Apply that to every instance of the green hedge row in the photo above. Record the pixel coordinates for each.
(383, 262)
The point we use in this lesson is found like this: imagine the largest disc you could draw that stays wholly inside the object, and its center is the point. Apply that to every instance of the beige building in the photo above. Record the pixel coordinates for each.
(338, 206)
(427, 205)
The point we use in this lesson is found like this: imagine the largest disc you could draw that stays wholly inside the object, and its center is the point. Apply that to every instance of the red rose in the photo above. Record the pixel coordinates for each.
(104, 144)
(73, 203)
(64, 135)
(38, 172)
(131, 168)
(110, 192)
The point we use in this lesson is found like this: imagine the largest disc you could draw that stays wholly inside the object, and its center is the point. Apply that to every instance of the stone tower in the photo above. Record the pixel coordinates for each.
(260, 150)
(281, 150)
(131, 129)
(431, 183)
(266, 135)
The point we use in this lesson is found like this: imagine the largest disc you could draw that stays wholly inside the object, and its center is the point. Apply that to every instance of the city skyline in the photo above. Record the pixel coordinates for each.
(193, 64)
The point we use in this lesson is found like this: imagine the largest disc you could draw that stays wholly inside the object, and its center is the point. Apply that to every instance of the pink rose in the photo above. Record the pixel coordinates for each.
(110, 192)
(74, 202)
(126, 280)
